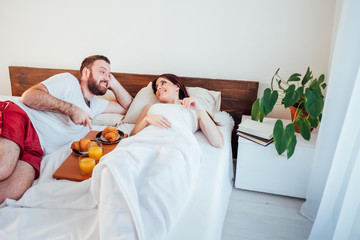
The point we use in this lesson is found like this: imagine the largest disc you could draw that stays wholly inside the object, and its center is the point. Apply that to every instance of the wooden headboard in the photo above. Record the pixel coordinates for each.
(237, 96)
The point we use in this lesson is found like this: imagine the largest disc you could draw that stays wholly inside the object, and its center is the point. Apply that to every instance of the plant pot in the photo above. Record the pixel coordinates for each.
(294, 115)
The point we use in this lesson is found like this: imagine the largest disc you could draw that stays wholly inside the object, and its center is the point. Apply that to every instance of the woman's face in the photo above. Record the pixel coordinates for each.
(166, 91)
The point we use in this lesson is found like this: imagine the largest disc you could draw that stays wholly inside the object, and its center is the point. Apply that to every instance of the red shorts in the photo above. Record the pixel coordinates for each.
(16, 126)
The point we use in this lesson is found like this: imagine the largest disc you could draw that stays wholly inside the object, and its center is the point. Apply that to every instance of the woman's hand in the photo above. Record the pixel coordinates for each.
(205, 122)
(158, 120)
(145, 119)
(191, 102)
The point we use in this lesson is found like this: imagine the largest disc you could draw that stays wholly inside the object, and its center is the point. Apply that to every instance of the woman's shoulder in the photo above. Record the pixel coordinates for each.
(147, 107)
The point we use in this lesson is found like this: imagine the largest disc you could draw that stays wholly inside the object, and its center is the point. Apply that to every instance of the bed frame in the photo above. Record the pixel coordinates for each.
(237, 96)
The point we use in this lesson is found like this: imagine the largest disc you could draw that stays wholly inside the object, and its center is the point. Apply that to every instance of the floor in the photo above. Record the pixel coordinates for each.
(254, 215)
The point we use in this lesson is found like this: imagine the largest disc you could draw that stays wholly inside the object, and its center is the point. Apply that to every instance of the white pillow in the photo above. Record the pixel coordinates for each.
(144, 97)
(109, 95)
(108, 119)
(210, 100)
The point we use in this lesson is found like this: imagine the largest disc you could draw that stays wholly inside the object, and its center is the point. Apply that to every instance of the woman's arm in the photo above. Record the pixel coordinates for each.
(141, 123)
(206, 124)
(144, 120)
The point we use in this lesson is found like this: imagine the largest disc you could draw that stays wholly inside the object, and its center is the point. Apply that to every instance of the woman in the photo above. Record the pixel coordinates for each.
(143, 185)
(169, 89)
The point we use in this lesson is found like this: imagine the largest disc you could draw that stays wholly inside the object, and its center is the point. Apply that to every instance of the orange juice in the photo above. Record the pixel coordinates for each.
(95, 152)
(87, 165)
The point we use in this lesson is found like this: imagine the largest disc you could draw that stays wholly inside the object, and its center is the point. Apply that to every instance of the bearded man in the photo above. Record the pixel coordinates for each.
(48, 116)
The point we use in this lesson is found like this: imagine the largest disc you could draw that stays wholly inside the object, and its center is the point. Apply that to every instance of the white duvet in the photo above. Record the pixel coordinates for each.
(137, 191)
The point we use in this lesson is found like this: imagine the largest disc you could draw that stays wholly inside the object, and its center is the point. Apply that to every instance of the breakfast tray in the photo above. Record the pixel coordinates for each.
(70, 169)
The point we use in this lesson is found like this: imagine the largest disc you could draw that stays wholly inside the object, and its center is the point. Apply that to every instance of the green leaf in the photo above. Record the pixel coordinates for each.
(289, 96)
(291, 146)
(278, 134)
(290, 139)
(292, 95)
(304, 127)
(289, 132)
(284, 139)
(314, 102)
(256, 113)
(307, 77)
(317, 83)
(279, 85)
(313, 122)
(268, 101)
(314, 84)
(294, 77)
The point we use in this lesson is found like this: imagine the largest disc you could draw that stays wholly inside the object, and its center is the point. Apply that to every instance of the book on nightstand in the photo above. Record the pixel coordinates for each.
(258, 132)
(259, 140)
(259, 129)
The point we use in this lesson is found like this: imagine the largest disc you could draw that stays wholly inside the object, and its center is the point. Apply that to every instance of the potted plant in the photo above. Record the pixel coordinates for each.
(306, 99)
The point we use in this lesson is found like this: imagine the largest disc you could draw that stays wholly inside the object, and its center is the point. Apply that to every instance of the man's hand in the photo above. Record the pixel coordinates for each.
(80, 117)
(113, 83)
(38, 97)
(123, 98)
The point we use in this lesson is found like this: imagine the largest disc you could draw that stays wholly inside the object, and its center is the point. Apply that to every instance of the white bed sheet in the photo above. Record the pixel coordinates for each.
(54, 209)
(204, 216)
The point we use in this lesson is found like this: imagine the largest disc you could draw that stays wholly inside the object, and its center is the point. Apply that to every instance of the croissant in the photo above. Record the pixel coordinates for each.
(110, 134)
(83, 144)
(75, 145)
(91, 144)
(109, 129)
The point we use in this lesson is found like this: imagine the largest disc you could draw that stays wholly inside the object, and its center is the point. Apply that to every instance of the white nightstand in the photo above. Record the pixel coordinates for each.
(261, 169)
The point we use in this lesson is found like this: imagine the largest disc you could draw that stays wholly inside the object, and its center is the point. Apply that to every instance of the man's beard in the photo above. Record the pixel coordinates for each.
(94, 87)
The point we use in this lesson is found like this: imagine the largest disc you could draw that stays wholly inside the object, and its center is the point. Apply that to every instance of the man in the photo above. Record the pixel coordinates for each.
(49, 115)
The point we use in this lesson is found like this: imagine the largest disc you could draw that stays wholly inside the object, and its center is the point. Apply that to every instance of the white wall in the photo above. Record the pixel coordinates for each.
(229, 39)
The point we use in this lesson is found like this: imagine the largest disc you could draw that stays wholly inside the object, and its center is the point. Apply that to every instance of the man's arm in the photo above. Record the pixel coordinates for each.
(38, 97)
(123, 98)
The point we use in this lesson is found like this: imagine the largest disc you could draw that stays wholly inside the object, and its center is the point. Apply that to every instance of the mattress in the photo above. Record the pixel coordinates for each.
(55, 209)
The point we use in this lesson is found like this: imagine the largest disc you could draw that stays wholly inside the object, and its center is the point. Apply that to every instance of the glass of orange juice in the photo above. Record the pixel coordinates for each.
(86, 165)
(96, 152)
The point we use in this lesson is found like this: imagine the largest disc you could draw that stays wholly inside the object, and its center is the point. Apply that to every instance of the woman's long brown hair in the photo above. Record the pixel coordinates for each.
(175, 80)
(183, 93)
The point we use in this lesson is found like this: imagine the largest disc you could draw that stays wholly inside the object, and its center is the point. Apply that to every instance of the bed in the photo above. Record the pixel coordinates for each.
(62, 209)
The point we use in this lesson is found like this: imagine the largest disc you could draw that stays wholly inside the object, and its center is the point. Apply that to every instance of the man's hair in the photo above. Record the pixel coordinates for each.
(89, 61)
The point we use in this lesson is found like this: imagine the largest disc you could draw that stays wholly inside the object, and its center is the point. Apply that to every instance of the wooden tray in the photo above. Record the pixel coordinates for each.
(70, 169)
